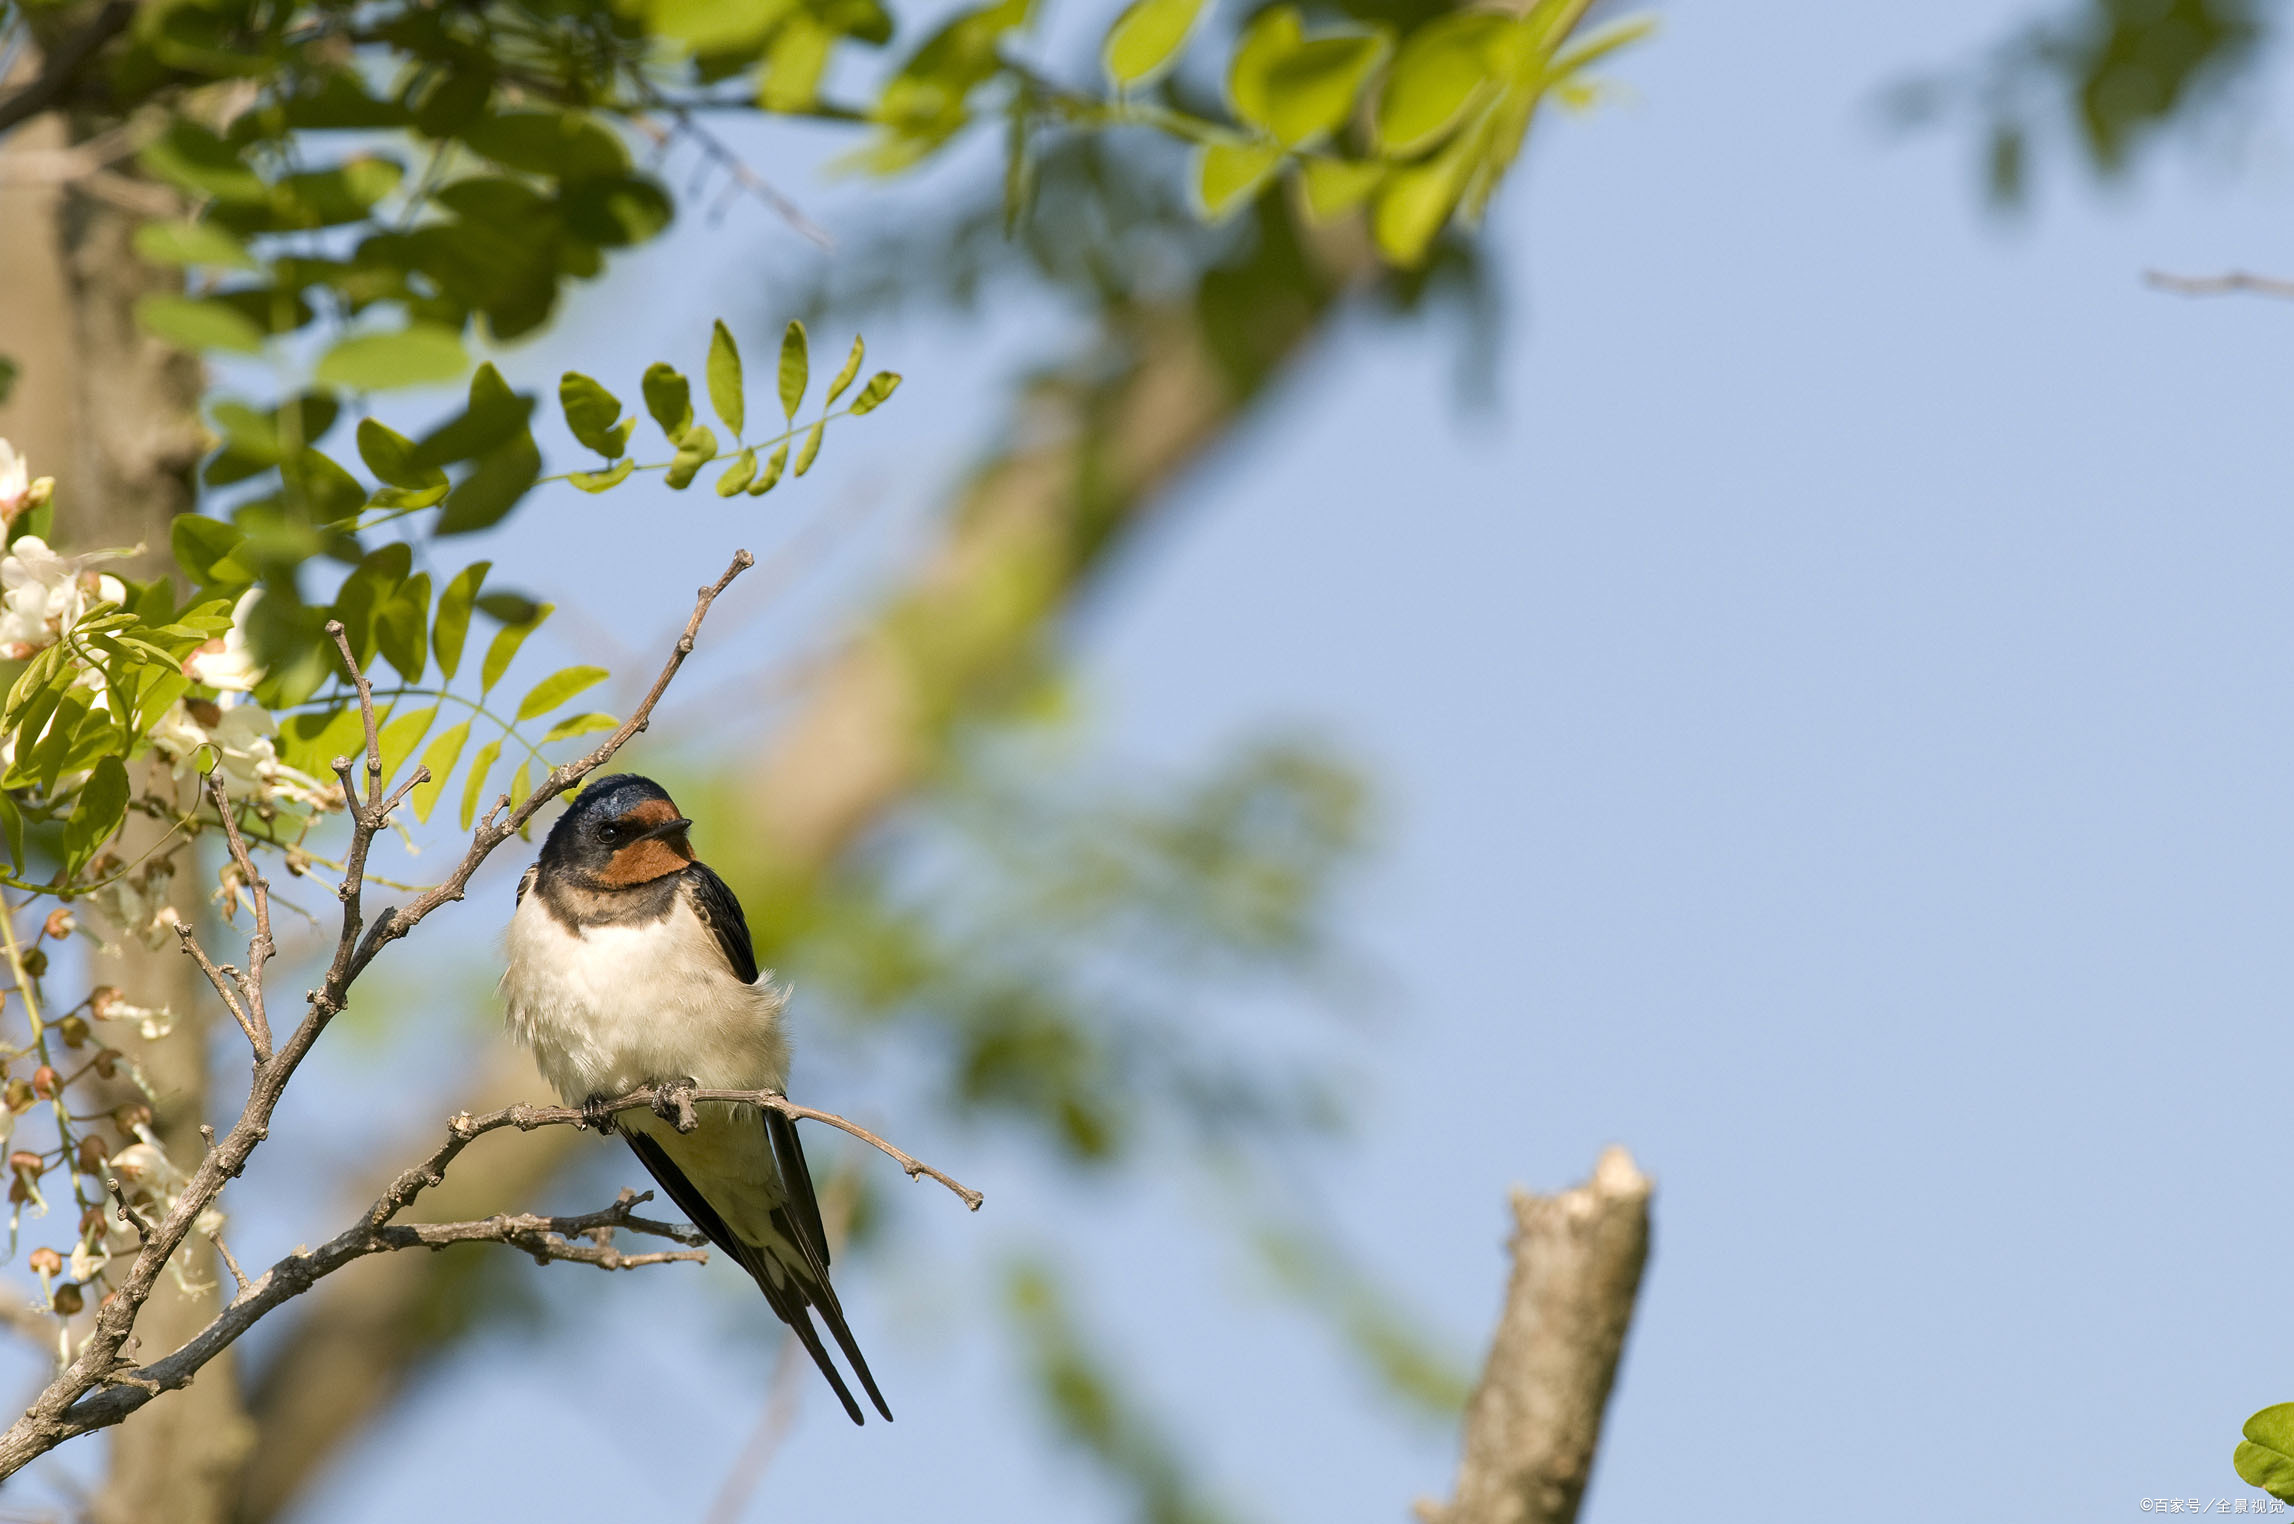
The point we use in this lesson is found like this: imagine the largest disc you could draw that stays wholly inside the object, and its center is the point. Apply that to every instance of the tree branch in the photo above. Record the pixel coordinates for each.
(2227, 284)
(1535, 1419)
(65, 63)
(66, 1407)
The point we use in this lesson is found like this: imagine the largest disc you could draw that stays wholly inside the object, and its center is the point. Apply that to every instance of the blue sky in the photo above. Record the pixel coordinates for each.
(1831, 716)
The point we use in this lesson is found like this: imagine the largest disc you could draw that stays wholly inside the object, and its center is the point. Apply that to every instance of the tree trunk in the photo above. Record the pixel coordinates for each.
(113, 416)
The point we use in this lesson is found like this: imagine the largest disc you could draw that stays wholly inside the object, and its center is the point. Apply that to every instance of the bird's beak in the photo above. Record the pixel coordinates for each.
(677, 827)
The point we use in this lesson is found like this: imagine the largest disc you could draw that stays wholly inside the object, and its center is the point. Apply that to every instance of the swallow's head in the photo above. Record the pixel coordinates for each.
(623, 831)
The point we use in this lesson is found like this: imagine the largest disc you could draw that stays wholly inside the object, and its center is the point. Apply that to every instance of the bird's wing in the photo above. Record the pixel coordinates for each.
(526, 881)
(789, 1290)
(720, 911)
(798, 1221)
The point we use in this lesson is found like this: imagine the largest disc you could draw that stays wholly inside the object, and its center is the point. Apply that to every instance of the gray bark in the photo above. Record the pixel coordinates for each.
(1534, 1422)
(113, 416)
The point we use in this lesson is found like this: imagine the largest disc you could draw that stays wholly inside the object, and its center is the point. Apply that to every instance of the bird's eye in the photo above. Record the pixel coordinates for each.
(610, 831)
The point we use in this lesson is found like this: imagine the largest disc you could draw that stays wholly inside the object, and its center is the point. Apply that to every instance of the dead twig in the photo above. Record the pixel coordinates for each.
(2230, 283)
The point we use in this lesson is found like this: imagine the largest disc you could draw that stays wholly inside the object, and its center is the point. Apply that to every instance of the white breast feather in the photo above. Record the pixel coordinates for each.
(611, 1008)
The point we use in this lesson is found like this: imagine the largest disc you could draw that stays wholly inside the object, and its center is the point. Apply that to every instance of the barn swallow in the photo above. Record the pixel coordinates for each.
(630, 966)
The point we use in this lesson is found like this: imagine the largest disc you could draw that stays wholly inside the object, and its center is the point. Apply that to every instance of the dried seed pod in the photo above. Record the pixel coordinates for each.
(91, 1157)
(35, 962)
(19, 1095)
(130, 1115)
(19, 1191)
(67, 1300)
(74, 1030)
(46, 1261)
(91, 1219)
(106, 1062)
(46, 1082)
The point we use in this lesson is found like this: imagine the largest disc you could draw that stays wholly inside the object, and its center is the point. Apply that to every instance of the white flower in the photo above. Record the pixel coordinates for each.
(42, 593)
(228, 664)
(240, 740)
(18, 491)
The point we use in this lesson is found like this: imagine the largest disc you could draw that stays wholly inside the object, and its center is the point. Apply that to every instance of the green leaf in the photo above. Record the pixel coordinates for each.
(390, 456)
(669, 398)
(772, 472)
(844, 376)
(1413, 203)
(811, 446)
(1228, 174)
(367, 591)
(521, 785)
(476, 785)
(101, 808)
(2265, 1458)
(1439, 72)
(1310, 91)
(440, 759)
(397, 740)
(592, 413)
(422, 354)
(401, 627)
(600, 481)
(872, 396)
(493, 417)
(738, 474)
(197, 324)
(795, 369)
(1337, 186)
(12, 824)
(452, 626)
(192, 243)
(203, 549)
(1276, 33)
(725, 377)
(319, 486)
(189, 155)
(313, 739)
(487, 494)
(580, 725)
(695, 450)
(561, 144)
(1146, 38)
(505, 646)
(559, 686)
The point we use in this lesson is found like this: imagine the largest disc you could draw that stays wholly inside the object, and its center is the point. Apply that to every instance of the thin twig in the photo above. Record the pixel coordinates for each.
(230, 1260)
(260, 947)
(2230, 283)
(86, 1394)
(197, 954)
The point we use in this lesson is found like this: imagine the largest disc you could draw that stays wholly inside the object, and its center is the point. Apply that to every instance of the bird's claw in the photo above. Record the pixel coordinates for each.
(673, 1103)
(595, 1115)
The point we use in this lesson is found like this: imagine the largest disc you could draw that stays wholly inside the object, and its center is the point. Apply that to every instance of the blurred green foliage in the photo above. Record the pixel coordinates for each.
(2109, 77)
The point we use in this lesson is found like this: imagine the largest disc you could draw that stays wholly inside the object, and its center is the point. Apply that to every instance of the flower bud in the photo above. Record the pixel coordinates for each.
(19, 1095)
(59, 925)
(102, 999)
(35, 962)
(106, 1062)
(91, 1159)
(46, 1261)
(46, 1082)
(67, 1300)
(74, 1030)
(90, 1220)
(130, 1115)
(24, 1162)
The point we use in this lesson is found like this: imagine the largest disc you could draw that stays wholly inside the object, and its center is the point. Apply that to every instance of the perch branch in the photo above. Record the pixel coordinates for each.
(89, 1392)
(1535, 1419)
(2228, 284)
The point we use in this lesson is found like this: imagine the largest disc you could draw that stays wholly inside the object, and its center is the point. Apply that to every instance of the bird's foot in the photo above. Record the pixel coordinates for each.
(594, 1114)
(673, 1103)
